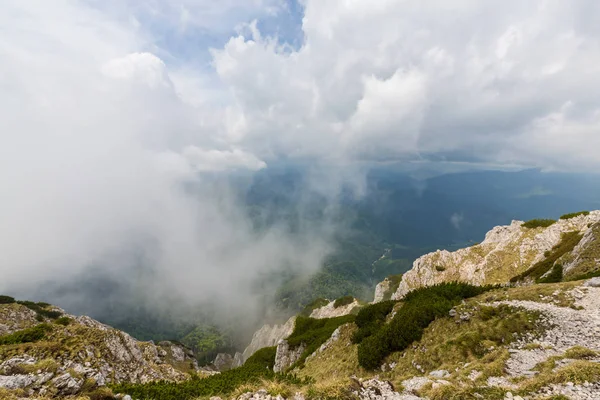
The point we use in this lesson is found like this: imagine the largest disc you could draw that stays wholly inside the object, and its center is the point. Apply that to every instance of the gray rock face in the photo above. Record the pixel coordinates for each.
(238, 360)
(594, 282)
(285, 356)
(66, 384)
(268, 336)
(330, 311)
(223, 362)
(16, 381)
(381, 289)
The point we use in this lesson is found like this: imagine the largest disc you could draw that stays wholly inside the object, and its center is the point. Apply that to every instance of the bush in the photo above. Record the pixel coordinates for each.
(40, 309)
(6, 299)
(573, 215)
(313, 333)
(370, 319)
(567, 243)
(538, 223)
(556, 275)
(64, 321)
(26, 335)
(343, 301)
(255, 369)
(420, 308)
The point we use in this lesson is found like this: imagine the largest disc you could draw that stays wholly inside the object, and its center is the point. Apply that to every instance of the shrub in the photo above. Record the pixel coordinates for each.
(64, 321)
(313, 333)
(556, 275)
(370, 319)
(573, 215)
(421, 307)
(40, 309)
(343, 301)
(6, 299)
(26, 335)
(440, 268)
(538, 223)
(568, 242)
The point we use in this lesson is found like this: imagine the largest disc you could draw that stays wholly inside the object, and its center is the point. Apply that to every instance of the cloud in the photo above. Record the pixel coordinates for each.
(461, 81)
(106, 170)
(117, 120)
(456, 220)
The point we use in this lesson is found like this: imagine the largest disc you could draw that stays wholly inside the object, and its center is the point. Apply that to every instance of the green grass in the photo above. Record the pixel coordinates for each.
(313, 333)
(28, 335)
(538, 223)
(573, 215)
(568, 242)
(257, 368)
(343, 301)
(420, 307)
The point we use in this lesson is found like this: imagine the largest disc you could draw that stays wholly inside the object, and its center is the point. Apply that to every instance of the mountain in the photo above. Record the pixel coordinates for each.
(523, 323)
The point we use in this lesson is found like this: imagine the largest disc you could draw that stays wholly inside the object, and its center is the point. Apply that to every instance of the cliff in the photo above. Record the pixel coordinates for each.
(506, 252)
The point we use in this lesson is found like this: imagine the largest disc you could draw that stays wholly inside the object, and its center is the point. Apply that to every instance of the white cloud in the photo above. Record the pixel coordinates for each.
(457, 80)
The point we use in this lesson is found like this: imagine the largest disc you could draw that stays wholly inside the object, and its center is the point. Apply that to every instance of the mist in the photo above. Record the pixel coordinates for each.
(115, 190)
(130, 132)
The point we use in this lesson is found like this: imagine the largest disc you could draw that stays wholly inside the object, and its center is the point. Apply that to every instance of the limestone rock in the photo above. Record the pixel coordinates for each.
(506, 252)
(285, 356)
(238, 360)
(223, 362)
(381, 289)
(67, 384)
(268, 336)
(330, 311)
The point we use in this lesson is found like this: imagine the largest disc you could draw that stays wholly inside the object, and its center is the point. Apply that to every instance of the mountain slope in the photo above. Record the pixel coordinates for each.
(44, 351)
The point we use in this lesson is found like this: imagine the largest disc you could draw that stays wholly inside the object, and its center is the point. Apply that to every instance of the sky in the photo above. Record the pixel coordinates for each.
(108, 107)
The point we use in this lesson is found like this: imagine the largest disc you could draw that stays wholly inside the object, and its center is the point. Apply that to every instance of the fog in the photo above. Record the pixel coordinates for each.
(125, 128)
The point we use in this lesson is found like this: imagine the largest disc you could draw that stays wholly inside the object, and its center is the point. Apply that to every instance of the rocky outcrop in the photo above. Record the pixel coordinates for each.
(285, 356)
(223, 362)
(238, 360)
(381, 290)
(84, 351)
(330, 311)
(268, 336)
(506, 252)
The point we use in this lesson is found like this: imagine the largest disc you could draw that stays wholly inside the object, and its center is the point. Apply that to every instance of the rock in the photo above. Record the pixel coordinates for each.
(505, 252)
(177, 353)
(268, 336)
(285, 356)
(16, 381)
(594, 282)
(381, 290)
(238, 360)
(66, 384)
(330, 311)
(439, 374)
(223, 362)
(452, 313)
